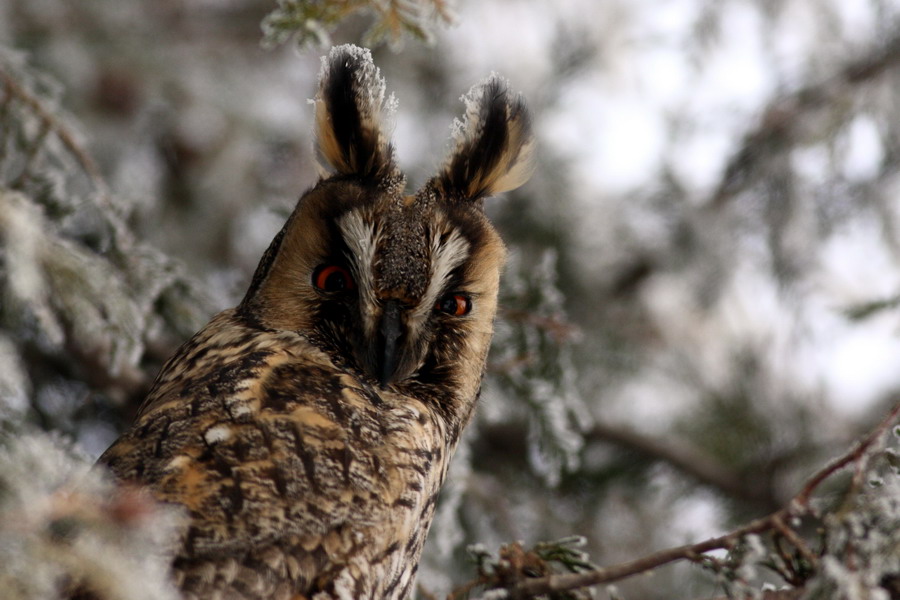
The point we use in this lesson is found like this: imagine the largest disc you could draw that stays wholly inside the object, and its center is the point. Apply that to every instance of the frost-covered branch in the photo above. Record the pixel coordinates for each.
(80, 297)
(784, 522)
(66, 527)
(14, 89)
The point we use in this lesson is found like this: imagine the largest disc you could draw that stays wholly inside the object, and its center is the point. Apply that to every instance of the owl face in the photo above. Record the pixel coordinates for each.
(400, 288)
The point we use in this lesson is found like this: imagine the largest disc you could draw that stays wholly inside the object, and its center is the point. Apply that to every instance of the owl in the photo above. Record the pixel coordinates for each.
(306, 433)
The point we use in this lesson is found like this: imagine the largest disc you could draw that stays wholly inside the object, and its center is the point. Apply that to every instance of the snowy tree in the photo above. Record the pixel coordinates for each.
(699, 314)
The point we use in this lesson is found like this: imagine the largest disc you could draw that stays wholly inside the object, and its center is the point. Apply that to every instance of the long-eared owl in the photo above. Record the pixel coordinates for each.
(306, 433)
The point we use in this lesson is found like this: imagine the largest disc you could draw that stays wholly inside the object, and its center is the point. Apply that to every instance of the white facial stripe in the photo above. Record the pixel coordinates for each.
(362, 239)
(445, 256)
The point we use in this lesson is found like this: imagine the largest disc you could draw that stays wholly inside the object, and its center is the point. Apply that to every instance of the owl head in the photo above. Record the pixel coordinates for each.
(399, 288)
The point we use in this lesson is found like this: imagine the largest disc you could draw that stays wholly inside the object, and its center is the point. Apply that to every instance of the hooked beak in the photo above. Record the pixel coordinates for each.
(390, 329)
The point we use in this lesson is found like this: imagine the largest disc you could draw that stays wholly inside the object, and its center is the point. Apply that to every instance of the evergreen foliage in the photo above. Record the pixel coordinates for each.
(675, 358)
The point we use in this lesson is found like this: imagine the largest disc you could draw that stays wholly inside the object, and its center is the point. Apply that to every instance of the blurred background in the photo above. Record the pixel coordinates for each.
(701, 305)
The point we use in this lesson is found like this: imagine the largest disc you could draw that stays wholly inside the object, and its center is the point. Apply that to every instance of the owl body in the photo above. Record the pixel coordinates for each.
(291, 469)
(306, 433)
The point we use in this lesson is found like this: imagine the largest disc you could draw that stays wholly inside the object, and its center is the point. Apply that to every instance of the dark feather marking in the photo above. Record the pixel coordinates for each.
(242, 449)
(260, 567)
(481, 154)
(358, 588)
(341, 102)
(235, 495)
(190, 542)
(161, 437)
(277, 476)
(346, 461)
(358, 144)
(195, 355)
(243, 588)
(335, 403)
(307, 460)
(196, 403)
(420, 469)
(392, 585)
(276, 399)
(266, 436)
(412, 577)
(370, 395)
(404, 502)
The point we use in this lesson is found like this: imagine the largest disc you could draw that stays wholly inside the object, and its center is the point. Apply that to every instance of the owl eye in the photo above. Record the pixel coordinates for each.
(457, 305)
(332, 278)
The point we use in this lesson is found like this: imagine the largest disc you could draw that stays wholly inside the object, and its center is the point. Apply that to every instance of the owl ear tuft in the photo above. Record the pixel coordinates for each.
(351, 109)
(494, 147)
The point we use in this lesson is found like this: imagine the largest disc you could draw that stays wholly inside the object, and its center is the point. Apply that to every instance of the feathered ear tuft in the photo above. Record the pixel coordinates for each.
(494, 147)
(350, 113)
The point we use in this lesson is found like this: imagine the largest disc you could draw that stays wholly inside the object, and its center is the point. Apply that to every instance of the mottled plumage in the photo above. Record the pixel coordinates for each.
(307, 431)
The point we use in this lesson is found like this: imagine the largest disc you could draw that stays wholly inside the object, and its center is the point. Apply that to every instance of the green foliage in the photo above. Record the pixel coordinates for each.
(311, 22)
(859, 312)
(514, 563)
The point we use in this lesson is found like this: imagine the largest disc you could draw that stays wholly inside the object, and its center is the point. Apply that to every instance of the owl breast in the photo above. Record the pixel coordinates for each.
(279, 449)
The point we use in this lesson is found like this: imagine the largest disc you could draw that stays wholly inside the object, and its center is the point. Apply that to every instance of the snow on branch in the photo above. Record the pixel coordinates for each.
(857, 551)
(75, 283)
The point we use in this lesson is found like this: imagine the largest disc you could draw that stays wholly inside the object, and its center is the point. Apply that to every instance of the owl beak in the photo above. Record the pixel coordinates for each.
(390, 329)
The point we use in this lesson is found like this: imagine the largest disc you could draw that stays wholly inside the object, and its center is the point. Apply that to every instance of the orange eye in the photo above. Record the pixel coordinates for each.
(332, 278)
(457, 305)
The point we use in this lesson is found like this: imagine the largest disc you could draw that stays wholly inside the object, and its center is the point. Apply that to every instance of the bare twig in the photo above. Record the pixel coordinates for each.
(797, 507)
(791, 536)
(859, 450)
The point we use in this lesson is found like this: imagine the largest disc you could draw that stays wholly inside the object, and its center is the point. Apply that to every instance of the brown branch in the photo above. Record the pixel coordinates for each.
(687, 460)
(856, 452)
(791, 536)
(798, 506)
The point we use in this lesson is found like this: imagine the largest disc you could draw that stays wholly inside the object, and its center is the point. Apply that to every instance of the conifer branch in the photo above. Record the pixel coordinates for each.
(50, 123)
(779, 522)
